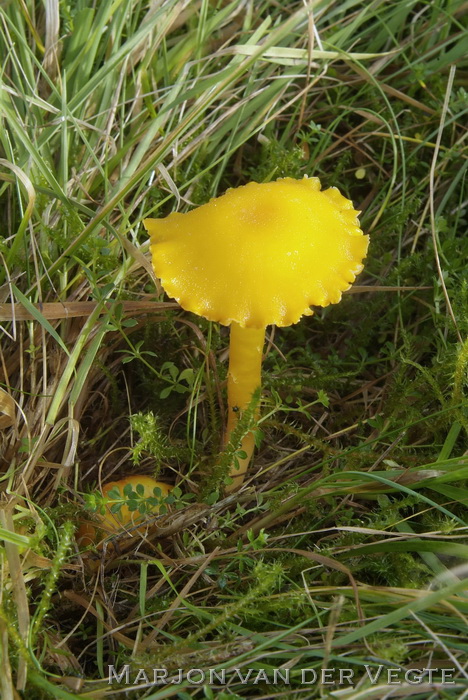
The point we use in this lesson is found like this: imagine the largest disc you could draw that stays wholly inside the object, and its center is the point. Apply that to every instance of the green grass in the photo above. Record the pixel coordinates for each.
(348, 547)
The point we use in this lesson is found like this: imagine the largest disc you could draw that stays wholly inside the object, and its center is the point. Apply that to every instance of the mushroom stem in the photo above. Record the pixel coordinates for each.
(244, 377)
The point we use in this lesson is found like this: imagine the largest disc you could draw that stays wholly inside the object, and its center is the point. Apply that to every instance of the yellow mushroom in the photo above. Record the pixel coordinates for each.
(260, 254)
(109, 523)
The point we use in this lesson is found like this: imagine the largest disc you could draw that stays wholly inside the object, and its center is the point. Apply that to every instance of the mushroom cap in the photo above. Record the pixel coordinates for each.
(91, 532)
(260, 254)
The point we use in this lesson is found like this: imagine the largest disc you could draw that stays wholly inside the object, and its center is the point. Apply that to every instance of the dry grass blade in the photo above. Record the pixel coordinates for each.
(7, 410)
(165, 619)
(80, 309)
(17, 587)
(432, 196)
(6, 681)
(76, 309)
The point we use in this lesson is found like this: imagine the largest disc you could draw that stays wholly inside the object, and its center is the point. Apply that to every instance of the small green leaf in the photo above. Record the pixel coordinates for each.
(118, 312)
(187, 375)
(323, 398)
(129, 323)
(258, 437)
(212, 498)
(128, 490)
(114, 494)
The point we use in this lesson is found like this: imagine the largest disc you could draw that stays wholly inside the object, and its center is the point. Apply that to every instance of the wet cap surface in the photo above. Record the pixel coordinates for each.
(260, 254)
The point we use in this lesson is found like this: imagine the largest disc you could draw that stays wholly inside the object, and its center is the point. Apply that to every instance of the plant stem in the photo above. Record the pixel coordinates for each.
(244, 377)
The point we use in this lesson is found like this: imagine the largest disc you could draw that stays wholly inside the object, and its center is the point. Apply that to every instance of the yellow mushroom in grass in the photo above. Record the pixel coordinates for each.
(260, 254)
(111, 523)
